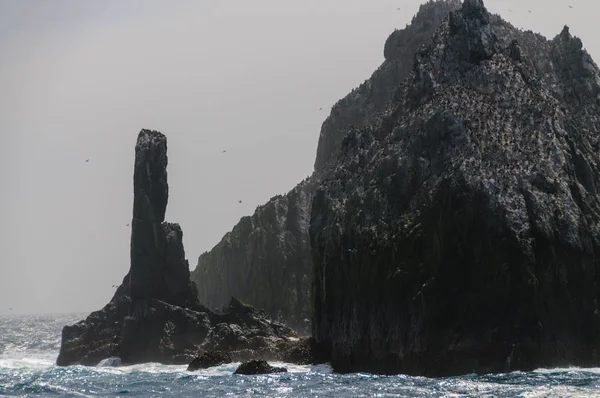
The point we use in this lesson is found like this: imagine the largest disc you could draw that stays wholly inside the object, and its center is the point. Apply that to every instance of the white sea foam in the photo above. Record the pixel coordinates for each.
(109, 362)
(34, 363)
(229, 369)
(29, 348)
(152, 368)
(564, 370)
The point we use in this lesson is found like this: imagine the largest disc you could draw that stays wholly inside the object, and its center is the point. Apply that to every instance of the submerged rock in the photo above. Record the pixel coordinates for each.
(155, 315)
(208, 359)
(257, 367)
(305, 351)
(460, 232)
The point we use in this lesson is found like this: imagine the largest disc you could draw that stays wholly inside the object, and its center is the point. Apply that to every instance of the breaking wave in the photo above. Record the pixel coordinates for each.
(29, 346)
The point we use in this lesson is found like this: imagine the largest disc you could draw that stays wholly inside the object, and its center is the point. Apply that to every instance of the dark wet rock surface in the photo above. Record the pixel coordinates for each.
(257, 367)
(208, 359)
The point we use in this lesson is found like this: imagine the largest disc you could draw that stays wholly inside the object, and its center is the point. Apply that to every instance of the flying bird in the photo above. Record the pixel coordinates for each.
(87, 160)
(127, 224)
(224, 150)
(239, 201)
(570, 6)
(320, 109)
(529, 11)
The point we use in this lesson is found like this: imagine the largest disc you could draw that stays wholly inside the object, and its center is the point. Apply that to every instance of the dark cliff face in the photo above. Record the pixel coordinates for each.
(154, 315)
(264, 260)
(364, 104)
(459, 232)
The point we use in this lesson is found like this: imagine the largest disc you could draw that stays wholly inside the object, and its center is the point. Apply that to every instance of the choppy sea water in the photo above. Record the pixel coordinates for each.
(29, 346)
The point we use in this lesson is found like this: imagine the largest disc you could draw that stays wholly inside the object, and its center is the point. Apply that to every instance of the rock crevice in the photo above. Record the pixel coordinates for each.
(264, 260)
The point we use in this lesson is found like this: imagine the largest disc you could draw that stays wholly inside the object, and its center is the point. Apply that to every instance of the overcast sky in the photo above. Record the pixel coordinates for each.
(79, 79)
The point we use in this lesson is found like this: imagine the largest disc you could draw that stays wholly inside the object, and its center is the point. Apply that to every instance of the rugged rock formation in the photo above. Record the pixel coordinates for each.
(305, 351)
(154, 315)
(208, 359)
(364, 104)
(460, 231)
(264, 260)
(239, 345)
(257, 367)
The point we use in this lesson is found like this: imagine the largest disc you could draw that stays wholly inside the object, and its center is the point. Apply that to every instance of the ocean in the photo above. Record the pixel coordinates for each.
(29, 346)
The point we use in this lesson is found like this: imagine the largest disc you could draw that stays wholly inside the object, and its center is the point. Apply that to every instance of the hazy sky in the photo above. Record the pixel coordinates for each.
(79, 79)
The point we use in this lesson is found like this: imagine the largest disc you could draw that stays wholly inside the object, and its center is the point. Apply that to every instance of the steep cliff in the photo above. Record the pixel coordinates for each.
(154, 315)
(460, 231)
(364, 104)
(265, 260)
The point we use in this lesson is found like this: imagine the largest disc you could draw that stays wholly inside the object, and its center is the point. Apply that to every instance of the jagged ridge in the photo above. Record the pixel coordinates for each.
(364, 104)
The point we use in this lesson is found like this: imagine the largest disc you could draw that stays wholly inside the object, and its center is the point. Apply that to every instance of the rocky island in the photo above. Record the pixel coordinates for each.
(460, 231)
(155, 315)
(451, 224)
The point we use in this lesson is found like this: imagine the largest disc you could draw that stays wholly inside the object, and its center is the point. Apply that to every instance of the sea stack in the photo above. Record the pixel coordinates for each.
(159, 269)
(460, 231)
(154, 315)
